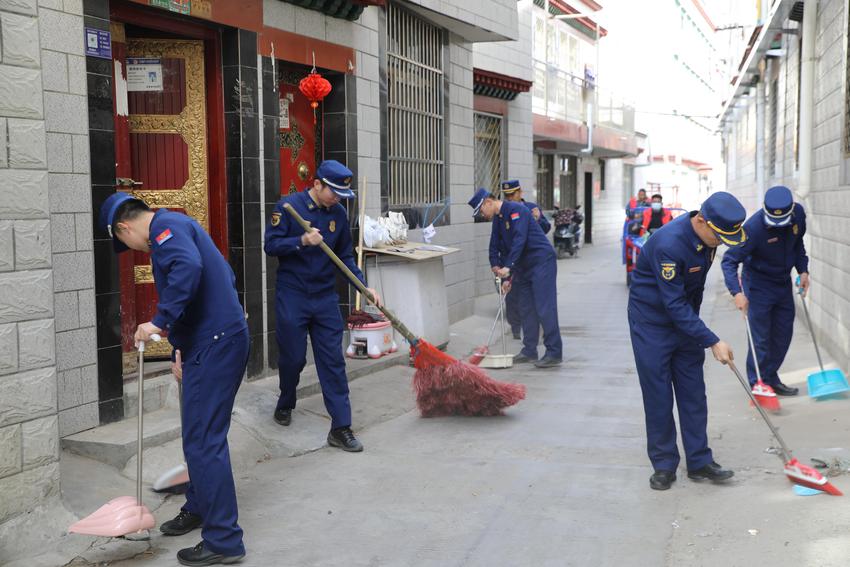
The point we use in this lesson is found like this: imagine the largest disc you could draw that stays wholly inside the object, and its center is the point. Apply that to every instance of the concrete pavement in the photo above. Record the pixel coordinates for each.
(561, 479)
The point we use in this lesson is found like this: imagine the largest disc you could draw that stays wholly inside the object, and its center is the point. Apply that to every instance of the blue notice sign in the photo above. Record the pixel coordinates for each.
(98, 43)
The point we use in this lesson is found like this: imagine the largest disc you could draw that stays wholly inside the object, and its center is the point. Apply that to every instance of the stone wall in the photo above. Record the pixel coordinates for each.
(29, 428)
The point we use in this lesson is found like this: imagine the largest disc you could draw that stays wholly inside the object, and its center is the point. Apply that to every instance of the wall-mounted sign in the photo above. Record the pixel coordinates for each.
(98, 43)
(144, 74)
(179, 6)
(285, 101)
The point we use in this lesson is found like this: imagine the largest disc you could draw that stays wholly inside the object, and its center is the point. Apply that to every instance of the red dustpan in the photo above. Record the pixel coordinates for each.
(797, 472)
(763, 394)
(125, 515)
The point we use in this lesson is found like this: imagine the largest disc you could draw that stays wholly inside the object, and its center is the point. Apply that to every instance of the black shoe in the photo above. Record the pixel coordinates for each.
(283, 416)
(520, 358)
(200, 555)
(783, 390)
(712, 472)
(344, 438)
(662, 480)
(184, 523)
(548, 362)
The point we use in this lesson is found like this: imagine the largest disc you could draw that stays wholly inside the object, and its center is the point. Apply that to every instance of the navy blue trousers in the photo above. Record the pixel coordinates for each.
(771, 314)
(298, 315)
(211, 377)
(538, 301)
(669, 363)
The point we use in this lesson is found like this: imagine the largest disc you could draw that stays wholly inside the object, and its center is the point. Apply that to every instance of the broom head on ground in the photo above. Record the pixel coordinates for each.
(446, 386)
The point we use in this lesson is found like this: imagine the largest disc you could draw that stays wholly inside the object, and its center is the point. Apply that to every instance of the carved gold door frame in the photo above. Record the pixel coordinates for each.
(191, 126)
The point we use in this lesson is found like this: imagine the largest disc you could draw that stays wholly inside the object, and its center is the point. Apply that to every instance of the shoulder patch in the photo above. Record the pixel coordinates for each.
(275, 218)
(164, 236)
(514, 216)
(668, 270)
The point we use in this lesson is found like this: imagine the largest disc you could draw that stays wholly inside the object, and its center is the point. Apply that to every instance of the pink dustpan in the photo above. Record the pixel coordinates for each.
(119, 517)
(124, 515)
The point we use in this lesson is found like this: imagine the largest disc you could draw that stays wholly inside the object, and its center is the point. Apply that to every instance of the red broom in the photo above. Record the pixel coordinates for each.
(797, 472)
(443, 385)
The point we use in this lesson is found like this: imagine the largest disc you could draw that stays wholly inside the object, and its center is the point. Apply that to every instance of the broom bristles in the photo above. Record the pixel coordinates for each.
(445, 386)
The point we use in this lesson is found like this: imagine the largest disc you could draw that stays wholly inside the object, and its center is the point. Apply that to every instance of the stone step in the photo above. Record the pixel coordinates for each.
(115, 443)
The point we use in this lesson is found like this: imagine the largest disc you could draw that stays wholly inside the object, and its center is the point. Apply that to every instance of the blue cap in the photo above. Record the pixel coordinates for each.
(478, 199)
(337, 177)
(725, 216)
(107, 213)
(778, 206)
(510, 186)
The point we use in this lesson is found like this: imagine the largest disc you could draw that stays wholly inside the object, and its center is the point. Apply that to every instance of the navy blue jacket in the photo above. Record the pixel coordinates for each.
(516, 241)
(669, 279)
(542, 221)
(307, 269)
(195, 284)
(769, 252)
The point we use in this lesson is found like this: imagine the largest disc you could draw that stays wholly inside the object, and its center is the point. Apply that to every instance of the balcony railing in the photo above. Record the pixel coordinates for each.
(560, 95)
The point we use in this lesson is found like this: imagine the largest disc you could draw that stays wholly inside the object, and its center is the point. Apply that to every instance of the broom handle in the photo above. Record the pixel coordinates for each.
(786, 452)
(753, 346)
(361, 201)
(399, 326)
(811, 330)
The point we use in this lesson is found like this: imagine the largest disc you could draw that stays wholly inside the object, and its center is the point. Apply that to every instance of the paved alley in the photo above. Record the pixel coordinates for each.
(560, 480)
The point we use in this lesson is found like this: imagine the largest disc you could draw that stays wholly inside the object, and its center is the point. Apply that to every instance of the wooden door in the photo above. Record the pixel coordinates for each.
(161, 152)
(300, 138)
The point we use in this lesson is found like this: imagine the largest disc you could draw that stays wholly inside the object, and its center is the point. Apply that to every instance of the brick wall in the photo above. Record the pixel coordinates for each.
(828, 203)
(28, 361)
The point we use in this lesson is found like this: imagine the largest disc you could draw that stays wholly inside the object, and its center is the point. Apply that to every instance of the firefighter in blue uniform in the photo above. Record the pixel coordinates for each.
(200, 309)
(531, 263)
(774, 246)
(669, 339)
(306, 298)
(512, 191)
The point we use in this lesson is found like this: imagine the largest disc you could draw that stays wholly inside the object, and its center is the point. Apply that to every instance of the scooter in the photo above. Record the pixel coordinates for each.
(568, 234)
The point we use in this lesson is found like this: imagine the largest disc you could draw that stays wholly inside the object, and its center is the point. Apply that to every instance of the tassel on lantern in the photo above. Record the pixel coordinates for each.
(314, 87)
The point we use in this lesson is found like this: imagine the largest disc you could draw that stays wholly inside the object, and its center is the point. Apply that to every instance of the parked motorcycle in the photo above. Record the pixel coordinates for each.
(568, 234)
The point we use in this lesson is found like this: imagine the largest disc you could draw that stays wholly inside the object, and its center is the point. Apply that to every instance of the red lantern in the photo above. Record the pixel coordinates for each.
(315, 88)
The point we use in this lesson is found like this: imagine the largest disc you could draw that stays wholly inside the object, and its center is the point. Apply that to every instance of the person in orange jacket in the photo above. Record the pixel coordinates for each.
(656, 216)
(635, 202)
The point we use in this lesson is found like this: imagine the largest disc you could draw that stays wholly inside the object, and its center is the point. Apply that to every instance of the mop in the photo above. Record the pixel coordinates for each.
(797, 472)
(124, 516)
(763, 393)
(443, 385)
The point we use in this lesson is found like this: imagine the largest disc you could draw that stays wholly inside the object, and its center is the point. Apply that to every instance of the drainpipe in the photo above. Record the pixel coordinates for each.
(760, 149)
(807, 98)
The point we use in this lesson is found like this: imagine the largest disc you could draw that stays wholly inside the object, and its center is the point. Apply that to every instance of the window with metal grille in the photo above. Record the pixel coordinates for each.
(488, 151)
(416, 109)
